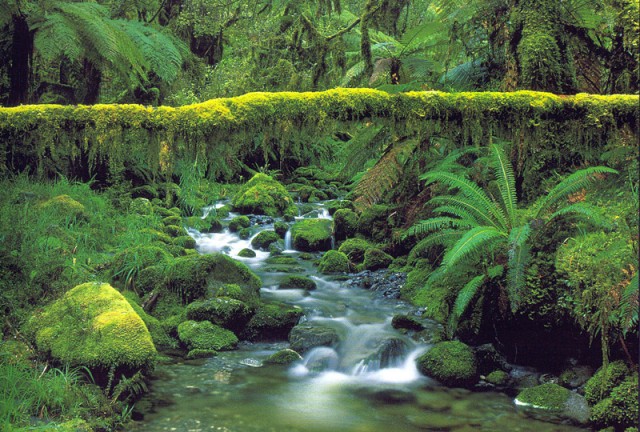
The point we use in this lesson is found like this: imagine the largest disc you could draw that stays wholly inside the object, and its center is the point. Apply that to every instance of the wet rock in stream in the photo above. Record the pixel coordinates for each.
(384, 282)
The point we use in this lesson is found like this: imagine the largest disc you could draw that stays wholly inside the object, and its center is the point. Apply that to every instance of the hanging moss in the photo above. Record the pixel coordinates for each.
(49, 139)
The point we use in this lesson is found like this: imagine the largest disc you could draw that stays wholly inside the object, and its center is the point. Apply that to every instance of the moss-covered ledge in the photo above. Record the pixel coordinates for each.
(220, 126)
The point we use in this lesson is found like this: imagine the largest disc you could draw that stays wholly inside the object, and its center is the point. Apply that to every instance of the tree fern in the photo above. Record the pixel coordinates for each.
(572, 184)
(463, 299)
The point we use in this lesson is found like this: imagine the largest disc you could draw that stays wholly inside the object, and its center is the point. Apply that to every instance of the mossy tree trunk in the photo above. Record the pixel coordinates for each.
(545, 62)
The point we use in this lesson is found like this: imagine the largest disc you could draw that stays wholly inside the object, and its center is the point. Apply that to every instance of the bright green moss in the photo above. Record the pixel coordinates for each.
(604, 380)
(546, 396)
(226, 312)
(130, 261)
(64, 207)
(355, 248)
(301, 282)
(174, 230)
(247, 253)
(262, 195)
(452, 363)
(185, 242)
(281, 228)
(619, 410)
(93, 325)
(282, 260)
(283, 357)
(311, 235)
(264, 239)
(272, 321)
(201, 353)
(499, 378)
(375, 259)
(239, 222)
(141, 206)
(334, 262)
(158, 333)
(206, 336)
(345, 223)
(172, 220)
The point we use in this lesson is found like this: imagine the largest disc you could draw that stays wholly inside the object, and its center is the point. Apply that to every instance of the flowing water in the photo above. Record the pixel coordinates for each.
(367, 383)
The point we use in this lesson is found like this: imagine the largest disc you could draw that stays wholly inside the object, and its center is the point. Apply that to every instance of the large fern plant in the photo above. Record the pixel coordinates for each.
(487, 227)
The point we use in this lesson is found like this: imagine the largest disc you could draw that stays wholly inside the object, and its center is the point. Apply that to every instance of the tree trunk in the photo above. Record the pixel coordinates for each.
(92, 79)
(20, 62)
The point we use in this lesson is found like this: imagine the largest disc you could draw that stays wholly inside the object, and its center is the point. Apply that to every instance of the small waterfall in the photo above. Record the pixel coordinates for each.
(324, 214)
(287, 241)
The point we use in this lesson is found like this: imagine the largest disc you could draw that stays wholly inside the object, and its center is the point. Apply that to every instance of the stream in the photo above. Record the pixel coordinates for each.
(367, 383)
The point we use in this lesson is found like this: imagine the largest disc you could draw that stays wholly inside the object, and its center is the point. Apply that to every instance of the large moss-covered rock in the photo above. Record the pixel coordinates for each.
(452, 363)
(553, 399)
(93, 325)
(263, 195)
(303, 337)
(63, 207)
(311, 235)
(238, 223)
(272, 321)
(374, 223)
(333, 262)
(206, 336)
(223, 311)
(355, 248)
(620, 409)
(375, 259)
(159, 335)
(300, 282)
(264, 239)
(604, 380)
(193, 276)
(345, 223)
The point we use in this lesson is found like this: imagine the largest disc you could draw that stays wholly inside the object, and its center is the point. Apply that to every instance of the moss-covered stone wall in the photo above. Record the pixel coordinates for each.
(58, 139)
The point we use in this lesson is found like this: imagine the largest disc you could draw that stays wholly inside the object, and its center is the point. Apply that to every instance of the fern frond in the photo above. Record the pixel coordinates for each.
(465, 217)
(519, 256)
(365, 144)
(629, 305)
(420, 68)
(466, 76)
(421, 34)
(585, 212)
(465, 205)
(57, 37)
(570, 185)
(466, 294)
(506, 180)
(354, 72)
(476, 196)
(385, 174)
(435, 224)
(470, 244)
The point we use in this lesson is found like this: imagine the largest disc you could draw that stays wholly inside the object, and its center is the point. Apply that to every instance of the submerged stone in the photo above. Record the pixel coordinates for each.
(303, 337)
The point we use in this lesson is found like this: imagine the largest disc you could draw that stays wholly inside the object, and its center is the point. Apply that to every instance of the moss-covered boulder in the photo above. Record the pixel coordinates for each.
(93, 325)
(604, 380)
(263, 195)
(334, 262)
(174, 230)
(206, 336)
(345, 223)
(375, 223)
(305, 336)
(283, 357)
(620, 409)
(299, 282)
(555, 400)
(141, 206)
(452, 363)
(64, 207)
(498, 378)
(159, 335)
(272, 321)
(226, 312)
(245, 233)
(281, 228)
(264, 239)
(406, 322)
(355, 248)
(238, 223)
(130, 261)
(194, 276)
(185, 242)
(375, 259)
(311, 235)
(247, 253)
(335, 205)
(201, 353)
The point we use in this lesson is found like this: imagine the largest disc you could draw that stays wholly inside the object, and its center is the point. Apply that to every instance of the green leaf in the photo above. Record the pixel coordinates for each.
(506, 181)
(474, 241)
(466, 294)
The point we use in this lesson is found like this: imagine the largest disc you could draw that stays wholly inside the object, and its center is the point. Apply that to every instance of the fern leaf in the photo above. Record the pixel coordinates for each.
(56, 37)
(519, 255)
(435, 224)
(477, 197)
(421, 34)
(506, 181)
(572, 184)
(584, 211)
(464, 205)
(466, 294)
(629, 305)
(471, 243)
(466, 218)
(354, 72)
(365, 144)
